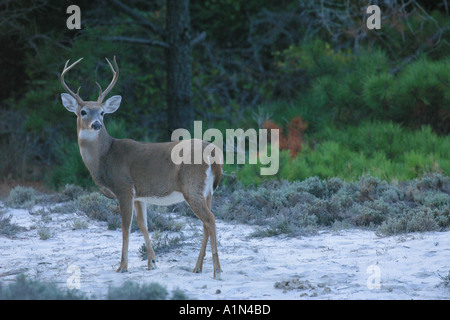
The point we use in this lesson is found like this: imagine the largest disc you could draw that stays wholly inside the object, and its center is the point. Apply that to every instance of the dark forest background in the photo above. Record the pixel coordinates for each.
(349, 100)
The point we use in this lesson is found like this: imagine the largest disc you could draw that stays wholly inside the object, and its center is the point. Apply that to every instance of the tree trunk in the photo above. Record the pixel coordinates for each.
(179, 95)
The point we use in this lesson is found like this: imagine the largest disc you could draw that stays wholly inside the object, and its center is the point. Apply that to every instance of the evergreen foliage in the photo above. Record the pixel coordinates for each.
(381, 149)
(281, 58)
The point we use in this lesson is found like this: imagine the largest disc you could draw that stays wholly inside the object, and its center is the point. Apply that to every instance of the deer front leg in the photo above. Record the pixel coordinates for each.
(141, 217)
(126, 212)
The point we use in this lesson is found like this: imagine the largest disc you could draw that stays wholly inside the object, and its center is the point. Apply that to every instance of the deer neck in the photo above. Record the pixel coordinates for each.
(93, 145)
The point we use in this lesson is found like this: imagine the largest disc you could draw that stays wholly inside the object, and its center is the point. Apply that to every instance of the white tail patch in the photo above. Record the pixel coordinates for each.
(209, 181)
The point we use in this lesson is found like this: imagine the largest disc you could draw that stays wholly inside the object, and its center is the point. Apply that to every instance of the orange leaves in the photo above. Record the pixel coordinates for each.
(294, 139)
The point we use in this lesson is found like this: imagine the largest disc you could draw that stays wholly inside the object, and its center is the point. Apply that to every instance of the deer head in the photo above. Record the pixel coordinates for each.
(90, 113)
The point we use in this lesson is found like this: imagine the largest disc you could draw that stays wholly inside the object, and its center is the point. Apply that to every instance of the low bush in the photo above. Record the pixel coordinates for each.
(8, 228)
(445, 279)
(44, 232)
(26, 289)
(418, 219)
(97, 206)
(161, 243)
(134, 291)
(282, 207)
(72, 192)
(27, 197)
(161, 221)
(21, 197)
(79, 224)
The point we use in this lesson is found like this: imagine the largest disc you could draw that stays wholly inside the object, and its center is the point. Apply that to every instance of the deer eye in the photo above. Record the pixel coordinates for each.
(102, 113)
(83, 113)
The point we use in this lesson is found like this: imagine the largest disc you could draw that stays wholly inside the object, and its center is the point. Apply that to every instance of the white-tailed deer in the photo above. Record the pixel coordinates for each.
(138, 173)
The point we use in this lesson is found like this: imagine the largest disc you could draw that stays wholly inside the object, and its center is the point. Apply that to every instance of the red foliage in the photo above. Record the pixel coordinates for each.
(294, 139)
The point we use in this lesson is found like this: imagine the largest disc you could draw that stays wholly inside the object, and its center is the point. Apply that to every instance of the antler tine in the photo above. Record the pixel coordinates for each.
(115, 72)
(66, 69)
(100, 91)
(110, 65)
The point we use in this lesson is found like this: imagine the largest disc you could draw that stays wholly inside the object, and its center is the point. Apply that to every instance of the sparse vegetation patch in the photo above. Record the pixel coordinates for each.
(282, 207)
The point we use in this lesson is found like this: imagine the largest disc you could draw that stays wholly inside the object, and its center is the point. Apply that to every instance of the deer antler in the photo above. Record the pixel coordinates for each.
(103, 94)
(75, 95)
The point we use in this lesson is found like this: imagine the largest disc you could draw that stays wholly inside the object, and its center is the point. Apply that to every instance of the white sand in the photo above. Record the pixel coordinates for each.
(330, 265)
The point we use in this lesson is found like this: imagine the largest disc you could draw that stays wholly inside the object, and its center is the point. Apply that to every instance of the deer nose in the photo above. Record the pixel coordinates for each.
(96, 125)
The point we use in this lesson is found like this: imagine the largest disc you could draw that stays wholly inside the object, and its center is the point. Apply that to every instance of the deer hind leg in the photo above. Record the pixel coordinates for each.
(126, 212)
(199, 265)
(141, 218)
(203, 211)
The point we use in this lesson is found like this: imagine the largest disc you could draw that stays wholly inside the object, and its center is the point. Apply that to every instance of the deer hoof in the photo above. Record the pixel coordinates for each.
(197, 270)
(152, 265)
(218, 274)
(122, 269)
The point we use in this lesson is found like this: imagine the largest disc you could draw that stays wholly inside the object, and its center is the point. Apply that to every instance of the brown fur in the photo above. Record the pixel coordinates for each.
(119, 166)
(135, 172)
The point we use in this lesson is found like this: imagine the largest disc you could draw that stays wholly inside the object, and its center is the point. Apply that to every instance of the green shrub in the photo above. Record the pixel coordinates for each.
(116, 128)
(70, 168)
(382, 149)
(350, 87)
(422, 96)
(339, 93)
(378, 93)
(250, 174)
(314, 58)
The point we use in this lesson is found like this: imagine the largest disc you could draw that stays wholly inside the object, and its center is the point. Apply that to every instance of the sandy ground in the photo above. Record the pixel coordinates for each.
(347, 264)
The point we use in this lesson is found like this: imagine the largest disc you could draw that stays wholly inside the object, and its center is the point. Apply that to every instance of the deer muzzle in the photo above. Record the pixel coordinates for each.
(96, 125)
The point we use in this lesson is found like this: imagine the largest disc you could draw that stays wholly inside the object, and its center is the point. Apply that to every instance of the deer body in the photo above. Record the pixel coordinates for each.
(139, 173)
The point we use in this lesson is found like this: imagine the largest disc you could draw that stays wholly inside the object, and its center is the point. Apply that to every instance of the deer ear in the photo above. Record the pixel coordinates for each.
(112, 104)
(69, 102)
